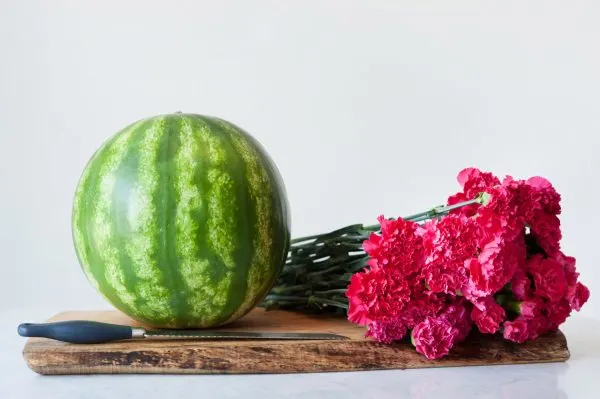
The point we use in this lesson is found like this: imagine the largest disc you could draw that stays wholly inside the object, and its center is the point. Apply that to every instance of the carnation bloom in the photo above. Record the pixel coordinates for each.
(494, 268)
(434, 337)
(442, 278)
(473, 182)
(568, 264)
(525, 328)
(493, 226)
(532, 307)
(544, 195)
(516, 330)
(521, 286)
(521, 194)
(501, 244)
(457, 314)
(578, 295)
(536, 203)
(548, 276)
(503, 208)
(488, 315)
(448, 242)
(399, 245)
(388, 332)
(534, 195)
(557, 313)
(423, 303)
(377, 295)
(545, 228)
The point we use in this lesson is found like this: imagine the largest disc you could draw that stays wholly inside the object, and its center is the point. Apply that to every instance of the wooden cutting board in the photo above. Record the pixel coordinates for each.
(47, 356)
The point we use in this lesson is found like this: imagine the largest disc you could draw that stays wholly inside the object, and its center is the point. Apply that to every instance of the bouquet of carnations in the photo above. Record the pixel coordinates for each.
(489, 259)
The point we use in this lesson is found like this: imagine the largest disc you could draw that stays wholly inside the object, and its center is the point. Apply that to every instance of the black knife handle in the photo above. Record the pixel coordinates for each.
(77, 331)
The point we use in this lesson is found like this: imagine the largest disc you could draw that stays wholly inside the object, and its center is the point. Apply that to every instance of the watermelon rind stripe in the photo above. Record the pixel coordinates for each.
(189, 206)
(85, 202)
(104, 234)
(153, 296)
(260, 187)
(242, 228)
(204, 273)
(122, 206)
(181, 220)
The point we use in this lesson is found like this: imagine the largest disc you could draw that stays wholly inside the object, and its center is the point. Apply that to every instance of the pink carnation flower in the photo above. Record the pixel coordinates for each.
(525, 328)
(494, 268)
(548, 276)
(544, 194)
(533, 196)
(434, 337)
(532, 307)
(578, 295)
(504, 209)
(516, 330)
(568, 264)
(448, 243)
(473, 182)
(488, 315)
(399, 245)
(458, 315)
(422, 304)
(558, 312)
(387, 332)
(377, 295)
(521, 285)
(545, 228)
(440, 279)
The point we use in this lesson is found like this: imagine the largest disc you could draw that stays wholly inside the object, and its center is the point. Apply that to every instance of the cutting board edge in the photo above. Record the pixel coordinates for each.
(116, 370)
(47, 357)
(72, 369)
(373, 357)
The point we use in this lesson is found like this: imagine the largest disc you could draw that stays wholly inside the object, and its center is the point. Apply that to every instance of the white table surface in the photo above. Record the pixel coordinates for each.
(577, 378)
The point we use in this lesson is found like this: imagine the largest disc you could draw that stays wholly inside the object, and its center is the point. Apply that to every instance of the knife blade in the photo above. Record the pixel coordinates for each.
(93, 332)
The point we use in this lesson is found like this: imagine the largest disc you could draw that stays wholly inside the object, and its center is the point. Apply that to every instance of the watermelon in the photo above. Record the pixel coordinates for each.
(181, 221)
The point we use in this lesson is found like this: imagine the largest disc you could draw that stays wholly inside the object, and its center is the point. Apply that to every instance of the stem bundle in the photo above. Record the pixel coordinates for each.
(318, 268)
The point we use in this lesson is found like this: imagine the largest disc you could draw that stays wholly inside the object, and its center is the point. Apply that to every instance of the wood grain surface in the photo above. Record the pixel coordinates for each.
(47, 356)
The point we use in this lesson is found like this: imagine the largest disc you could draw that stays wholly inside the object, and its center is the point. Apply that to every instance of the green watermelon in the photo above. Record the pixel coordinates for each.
(181, 221)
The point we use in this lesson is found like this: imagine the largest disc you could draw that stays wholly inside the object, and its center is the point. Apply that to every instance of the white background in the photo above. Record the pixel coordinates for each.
(367, 107)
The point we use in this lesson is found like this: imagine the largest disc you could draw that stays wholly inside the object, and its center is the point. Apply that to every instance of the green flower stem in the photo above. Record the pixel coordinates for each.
(325, 301)
(438, 210)
(288, 298)
(319, 267)
(435, 212)
(508, 302)
(334, 233)
(291, 288)
(513, 306)
(501, 299)
(341, 291)
(299, 301)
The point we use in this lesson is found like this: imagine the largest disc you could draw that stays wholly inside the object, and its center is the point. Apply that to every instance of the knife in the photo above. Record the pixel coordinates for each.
(93, 332)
